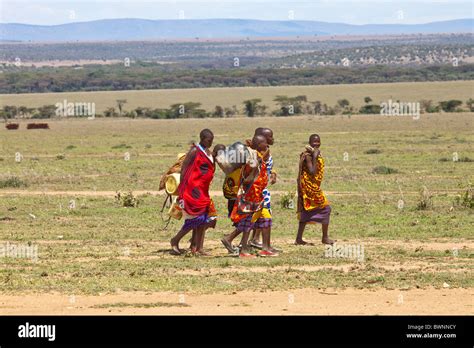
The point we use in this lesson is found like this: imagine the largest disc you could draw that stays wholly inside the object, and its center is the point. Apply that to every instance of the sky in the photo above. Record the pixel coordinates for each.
(47, 12)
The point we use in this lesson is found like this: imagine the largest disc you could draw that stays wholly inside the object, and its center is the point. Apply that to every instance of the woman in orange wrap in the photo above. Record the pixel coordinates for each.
(250, 199)
(313, 206)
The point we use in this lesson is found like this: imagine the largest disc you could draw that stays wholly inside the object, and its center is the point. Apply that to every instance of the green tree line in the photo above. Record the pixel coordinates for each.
(116, 77)
(287, 106)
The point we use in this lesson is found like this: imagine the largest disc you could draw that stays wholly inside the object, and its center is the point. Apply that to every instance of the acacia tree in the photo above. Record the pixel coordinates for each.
(317, 107)
(470, 104)
(428, 106)
(450, 105)
(218, 111)
(187, 110)
(290, 105)
(110, 112)
(252, 107)
(344, 105)
(120, 104)
(10, 111)
(3, 115)
(45, 111)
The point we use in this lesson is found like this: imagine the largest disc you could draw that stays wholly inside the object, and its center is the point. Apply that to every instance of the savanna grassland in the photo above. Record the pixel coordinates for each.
(114, 259)
(228, 97)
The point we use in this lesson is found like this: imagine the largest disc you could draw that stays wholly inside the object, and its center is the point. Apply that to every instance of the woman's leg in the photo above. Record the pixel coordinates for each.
(227, 240)
(256, 235)
(175, 240)
(326, 239)
(266, 238)
(201, 239)
(245, 240)
(299, 237)
(193, 240)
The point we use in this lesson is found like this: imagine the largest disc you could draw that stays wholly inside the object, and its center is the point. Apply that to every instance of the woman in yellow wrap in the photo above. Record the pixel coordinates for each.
(313, 206)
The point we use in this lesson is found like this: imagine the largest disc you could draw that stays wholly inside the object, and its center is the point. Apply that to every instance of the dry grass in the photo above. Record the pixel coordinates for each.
(210, 97)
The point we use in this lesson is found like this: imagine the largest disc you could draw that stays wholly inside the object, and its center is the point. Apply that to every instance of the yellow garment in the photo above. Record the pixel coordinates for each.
(231, 184)
(310, 187)
(264, 213)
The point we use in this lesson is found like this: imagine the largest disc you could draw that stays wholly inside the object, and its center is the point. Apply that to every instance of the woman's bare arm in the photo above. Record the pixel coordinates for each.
(312, 162)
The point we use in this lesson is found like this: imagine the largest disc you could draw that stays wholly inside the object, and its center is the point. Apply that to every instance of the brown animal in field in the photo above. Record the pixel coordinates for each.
(12, 126)
(37, 126)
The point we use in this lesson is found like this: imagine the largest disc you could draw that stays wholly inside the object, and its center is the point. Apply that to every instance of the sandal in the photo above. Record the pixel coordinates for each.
(247, 256)
(268, 253)
(256, 245)
(228, 246)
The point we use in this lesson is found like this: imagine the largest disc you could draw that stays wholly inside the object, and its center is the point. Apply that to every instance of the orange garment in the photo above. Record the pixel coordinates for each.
(250, 196)
(310, 195)
(212, 209)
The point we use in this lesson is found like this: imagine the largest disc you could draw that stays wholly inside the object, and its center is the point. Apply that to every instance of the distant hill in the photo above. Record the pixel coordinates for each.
(142, 29)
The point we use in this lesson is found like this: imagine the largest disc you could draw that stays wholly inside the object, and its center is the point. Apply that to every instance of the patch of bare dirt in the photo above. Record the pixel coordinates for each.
(294, 302)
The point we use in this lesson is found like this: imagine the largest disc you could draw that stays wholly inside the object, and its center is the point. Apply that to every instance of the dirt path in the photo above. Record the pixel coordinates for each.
(212, 193)
(302, 301)
(436, 244)
(306, 301)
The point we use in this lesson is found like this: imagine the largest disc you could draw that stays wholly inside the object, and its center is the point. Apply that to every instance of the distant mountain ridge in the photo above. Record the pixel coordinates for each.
(144, 29)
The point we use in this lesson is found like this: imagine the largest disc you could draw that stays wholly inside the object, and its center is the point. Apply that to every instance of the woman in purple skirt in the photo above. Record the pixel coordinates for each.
(313, 206)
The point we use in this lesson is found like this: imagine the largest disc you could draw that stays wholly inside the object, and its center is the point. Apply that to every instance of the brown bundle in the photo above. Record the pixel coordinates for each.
(175, 168)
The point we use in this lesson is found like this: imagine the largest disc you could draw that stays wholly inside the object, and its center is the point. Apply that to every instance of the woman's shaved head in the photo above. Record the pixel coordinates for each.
(259, 143)
(206, 138)
(314, 141)
(266, 132)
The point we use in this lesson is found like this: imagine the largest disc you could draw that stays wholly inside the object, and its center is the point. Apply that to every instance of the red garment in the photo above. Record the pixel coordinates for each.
(194, 189)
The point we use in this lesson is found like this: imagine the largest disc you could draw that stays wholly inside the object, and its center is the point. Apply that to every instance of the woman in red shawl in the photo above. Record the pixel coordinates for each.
(199, 213)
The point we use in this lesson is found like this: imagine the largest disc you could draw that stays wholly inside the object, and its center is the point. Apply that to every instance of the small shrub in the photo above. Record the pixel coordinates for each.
(435, 136)
(127, 199)
(70, 147)
(372, 151)
(370, 109)
(13, 181)
(384, 170)
(466, 198)
(461, 159)
(425, 200)
(60, 156)
(121, 146)
(288, 200)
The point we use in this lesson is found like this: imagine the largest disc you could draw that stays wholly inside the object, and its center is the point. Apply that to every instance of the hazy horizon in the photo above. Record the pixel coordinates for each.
(56, 12)
(162, 19)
